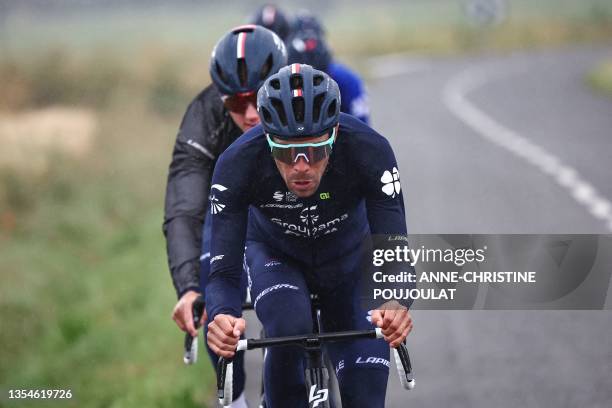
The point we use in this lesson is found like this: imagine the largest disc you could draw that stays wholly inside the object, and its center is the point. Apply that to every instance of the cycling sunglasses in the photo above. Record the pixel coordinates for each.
(311, 152)
(238, 103)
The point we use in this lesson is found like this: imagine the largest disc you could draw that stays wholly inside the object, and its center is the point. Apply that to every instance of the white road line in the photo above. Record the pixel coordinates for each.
(579, 189)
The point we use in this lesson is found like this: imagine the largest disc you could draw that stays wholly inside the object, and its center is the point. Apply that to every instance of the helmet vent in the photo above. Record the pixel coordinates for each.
(280, 110)
(275, 83)
(242, 72)
(247, 28)
(266, 114)
(298, 109)
(266, 67)
(220, 72)
(296, 81)
(331, 110)
(316, 106)
(317, 80)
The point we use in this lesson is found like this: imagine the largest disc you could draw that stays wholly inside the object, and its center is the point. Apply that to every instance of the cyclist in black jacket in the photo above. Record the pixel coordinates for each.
(240, 63)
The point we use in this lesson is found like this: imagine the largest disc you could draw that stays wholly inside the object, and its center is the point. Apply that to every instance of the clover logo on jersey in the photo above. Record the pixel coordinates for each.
(215, 206)
(309, 212)
(391, 182)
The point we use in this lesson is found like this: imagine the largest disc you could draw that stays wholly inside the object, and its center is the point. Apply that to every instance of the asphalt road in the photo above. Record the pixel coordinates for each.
(455, 180)
(499, 144)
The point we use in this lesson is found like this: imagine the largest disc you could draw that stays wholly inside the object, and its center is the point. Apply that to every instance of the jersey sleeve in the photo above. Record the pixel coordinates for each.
(186, 200)
(384, 201)
(229, 204)
(385, 208)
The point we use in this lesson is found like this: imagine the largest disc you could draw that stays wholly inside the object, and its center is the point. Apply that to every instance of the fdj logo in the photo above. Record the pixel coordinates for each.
(324, 196)
(314, 398)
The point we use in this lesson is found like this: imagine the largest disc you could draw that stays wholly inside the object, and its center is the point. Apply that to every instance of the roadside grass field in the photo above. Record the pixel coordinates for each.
(86, 297)
(600, 78)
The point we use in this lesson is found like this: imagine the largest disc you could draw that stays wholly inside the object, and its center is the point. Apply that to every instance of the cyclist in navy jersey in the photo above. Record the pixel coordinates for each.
(240, 62)
(303, 191)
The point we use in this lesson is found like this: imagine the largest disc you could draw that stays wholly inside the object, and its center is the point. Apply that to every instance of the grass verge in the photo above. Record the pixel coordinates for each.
(86, 298)
(600, 78)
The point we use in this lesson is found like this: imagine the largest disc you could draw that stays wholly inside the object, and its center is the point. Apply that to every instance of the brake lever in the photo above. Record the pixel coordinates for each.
(191, 344)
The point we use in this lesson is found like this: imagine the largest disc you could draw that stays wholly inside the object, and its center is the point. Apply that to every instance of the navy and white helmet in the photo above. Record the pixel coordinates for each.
(273, 19)
(308, 47)
(298, 101)
(243, 59)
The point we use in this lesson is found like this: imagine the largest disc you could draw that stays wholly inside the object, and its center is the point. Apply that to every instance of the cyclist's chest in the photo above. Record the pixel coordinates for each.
(333, 205)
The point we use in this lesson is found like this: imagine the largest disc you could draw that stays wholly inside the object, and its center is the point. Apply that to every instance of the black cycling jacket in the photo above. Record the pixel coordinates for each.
(206, 131)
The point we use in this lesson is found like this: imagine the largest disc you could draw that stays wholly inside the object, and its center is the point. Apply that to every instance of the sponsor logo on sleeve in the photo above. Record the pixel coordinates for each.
(215, 206)
(216, 258)
(391, 182)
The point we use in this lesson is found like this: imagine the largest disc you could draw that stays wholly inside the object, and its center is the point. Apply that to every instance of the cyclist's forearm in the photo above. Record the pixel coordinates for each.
(223, 296)
(183, 235)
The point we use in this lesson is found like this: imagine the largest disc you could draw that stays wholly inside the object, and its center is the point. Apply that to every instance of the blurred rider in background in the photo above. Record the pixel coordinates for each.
(240, 63)
(273, 19)
(304, 37)
(307, 45)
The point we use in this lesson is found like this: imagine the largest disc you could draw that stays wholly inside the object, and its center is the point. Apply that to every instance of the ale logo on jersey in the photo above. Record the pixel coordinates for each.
(215, 206)
(391, 182)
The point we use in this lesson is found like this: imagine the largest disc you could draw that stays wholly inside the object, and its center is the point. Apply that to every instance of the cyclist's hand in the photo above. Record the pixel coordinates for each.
(223, 334)
(183, 313)
(394, 320)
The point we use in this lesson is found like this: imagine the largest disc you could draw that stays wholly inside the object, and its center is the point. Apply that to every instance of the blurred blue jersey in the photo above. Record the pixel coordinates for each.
(352, 91)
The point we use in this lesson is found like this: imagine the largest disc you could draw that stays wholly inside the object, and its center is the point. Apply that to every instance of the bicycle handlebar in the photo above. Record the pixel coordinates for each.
(308, 340)
(225, 366)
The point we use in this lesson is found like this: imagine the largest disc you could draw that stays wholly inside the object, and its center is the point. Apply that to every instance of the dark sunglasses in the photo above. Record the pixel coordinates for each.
(311, 152)
(238, 103)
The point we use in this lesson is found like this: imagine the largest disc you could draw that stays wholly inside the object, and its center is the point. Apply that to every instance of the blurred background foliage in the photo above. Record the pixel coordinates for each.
(91, 96)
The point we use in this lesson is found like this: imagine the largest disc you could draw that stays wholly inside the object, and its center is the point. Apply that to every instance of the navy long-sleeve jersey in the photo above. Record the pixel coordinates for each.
(359, 195)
